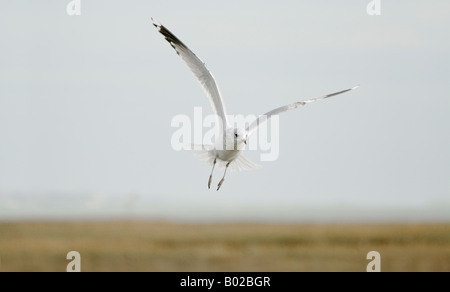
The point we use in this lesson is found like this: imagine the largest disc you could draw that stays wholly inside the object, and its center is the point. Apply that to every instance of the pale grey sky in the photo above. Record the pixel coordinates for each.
(86, 104)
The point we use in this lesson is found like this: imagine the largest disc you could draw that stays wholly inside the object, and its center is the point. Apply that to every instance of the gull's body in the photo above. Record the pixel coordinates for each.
(227, 150)
(226, 147)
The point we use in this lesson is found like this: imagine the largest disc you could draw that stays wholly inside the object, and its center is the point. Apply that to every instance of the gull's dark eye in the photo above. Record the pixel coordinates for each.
(235, 135)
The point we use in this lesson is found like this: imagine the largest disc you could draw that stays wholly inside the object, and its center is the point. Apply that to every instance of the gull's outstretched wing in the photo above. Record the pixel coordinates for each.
(262, 119)
(198, 68)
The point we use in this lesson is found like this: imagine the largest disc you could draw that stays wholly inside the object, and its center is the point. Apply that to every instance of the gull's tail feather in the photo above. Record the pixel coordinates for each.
(243, 163)
(207, 153)
(204, 153)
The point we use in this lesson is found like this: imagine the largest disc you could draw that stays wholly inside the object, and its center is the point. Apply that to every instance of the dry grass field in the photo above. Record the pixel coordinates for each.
(150, 246)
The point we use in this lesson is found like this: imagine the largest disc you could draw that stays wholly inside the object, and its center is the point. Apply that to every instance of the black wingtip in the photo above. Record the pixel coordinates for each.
(170, 37)
(154, 22)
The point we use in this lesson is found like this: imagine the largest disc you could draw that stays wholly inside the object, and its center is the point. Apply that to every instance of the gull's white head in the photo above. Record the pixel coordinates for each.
(234, 138)
(239, 136)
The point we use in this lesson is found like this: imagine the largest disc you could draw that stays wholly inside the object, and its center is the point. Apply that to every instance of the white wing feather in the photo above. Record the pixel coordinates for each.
(264, 118)
(200, 71)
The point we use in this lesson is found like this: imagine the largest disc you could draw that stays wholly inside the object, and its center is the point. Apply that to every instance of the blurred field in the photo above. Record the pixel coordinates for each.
(149, 246)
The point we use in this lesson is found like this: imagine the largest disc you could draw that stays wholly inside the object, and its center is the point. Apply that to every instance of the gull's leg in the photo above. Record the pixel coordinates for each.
(223, 178)
(210, 176)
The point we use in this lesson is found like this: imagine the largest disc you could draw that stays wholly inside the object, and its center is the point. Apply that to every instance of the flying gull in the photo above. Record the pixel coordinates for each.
(226, 152)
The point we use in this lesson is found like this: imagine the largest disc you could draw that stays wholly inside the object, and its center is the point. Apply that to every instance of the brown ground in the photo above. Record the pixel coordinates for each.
(150, 246)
